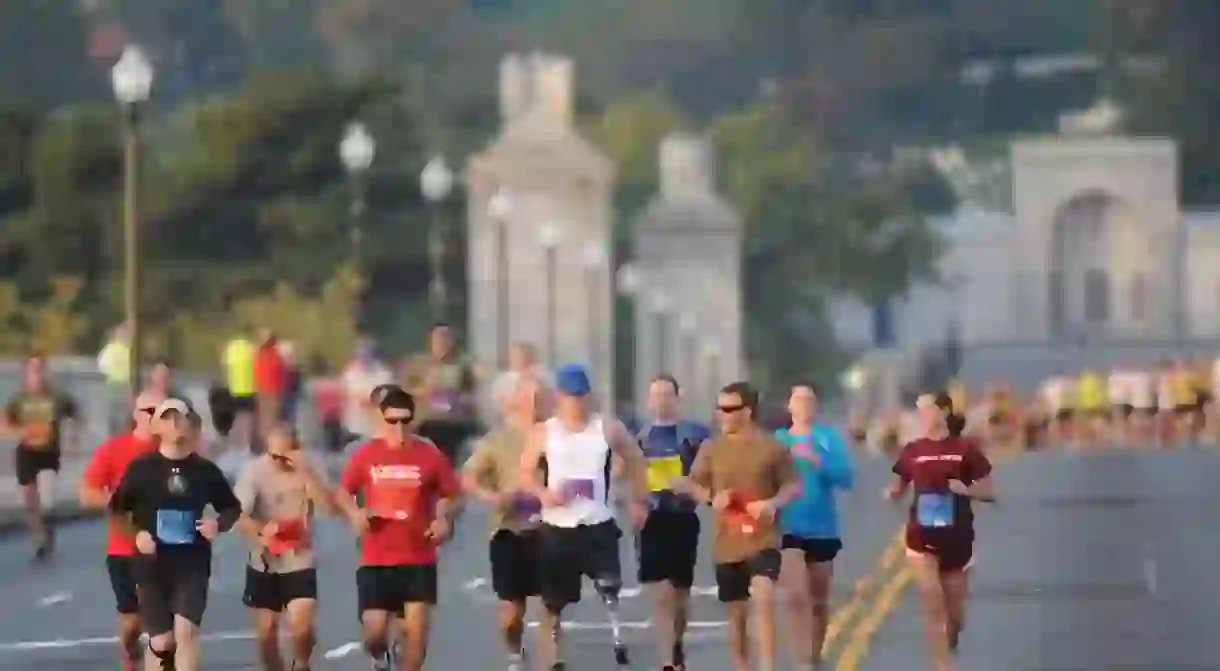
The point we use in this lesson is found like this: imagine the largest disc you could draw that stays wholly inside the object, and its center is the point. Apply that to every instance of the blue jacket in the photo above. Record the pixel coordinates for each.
(813, 513)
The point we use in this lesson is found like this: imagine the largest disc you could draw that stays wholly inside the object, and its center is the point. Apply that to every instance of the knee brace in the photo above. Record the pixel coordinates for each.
(608, 589)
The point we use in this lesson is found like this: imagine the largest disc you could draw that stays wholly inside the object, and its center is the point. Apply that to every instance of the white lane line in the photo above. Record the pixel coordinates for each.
(342, 651)
(474, 584)
(626, 593)
(1150, 569)
(62, 643)
(643, 624)
(58, 597)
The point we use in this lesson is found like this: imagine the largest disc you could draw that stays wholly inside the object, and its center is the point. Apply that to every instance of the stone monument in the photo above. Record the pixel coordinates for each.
(687, 249)
(540, 217)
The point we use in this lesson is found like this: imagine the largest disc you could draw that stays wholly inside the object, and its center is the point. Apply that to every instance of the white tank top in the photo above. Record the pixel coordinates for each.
(579, 461)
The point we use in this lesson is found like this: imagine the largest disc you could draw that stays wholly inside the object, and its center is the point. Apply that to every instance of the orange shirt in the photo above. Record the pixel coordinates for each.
(105, 471)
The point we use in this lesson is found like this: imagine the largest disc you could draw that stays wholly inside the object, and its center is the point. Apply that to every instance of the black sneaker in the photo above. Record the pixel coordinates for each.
(558, 666)
(679, 657)
(620, 655)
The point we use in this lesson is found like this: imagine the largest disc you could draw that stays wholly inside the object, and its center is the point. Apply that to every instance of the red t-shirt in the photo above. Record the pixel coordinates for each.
(105, 470)
(938, 517)
(402, 485)
(270, 371)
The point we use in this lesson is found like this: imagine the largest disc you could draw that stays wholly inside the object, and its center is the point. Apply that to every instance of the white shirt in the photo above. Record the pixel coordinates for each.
(1164, 391)
(1053, 392)
(1139, 393)
(579, 456)
(358, 383)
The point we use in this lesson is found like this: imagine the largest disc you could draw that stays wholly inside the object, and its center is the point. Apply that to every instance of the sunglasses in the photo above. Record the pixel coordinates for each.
(730, 409)
(397, 420)
(147, 411)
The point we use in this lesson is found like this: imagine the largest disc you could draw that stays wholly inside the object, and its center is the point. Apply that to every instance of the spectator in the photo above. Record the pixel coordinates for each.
(522, 365)
(327, 393)
(239, 378)
(295, 383)
(270, 385)
(444, 380)
(161, 381)
(363, 373)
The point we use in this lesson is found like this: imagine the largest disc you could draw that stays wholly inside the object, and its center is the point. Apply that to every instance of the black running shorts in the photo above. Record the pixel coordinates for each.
(514, 565)
(122, 572)
(668, 548)
(274, 591)
(568, 554)
(733, 579)
(171, 586)
(391, 588)
(29, 462)
(816, 550)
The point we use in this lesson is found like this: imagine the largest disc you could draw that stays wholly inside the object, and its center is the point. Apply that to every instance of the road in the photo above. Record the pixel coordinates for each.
(59, 616)
(1098, 561)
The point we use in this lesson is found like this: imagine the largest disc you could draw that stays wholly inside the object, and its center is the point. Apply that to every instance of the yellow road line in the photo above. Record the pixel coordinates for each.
(843, 616)
(857, 646)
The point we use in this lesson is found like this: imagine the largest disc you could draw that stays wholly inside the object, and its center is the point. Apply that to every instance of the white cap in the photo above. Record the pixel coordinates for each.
(172, 405)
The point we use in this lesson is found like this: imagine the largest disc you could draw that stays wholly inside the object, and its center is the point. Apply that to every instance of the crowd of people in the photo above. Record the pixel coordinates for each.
(1163, 406)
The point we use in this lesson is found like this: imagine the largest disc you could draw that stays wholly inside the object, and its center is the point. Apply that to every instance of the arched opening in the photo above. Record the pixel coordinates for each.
(1099, 268)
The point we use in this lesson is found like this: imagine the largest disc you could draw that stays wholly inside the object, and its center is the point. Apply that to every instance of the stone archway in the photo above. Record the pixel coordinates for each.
(1100, 265)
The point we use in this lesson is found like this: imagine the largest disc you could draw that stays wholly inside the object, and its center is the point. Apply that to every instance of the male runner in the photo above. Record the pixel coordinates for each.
(278, 491)
(490, 475)
(810, 524)
(43, 421)
(101, 478)
(746, 475)
(567, 464)
(410, 491)
(668, 545)
(162, 497)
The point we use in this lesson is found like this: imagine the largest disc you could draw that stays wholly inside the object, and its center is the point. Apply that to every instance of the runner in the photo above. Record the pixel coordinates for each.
(43, 421)
(491, 476)
(668, 545)
(410, 492)
(810, 524)
(278, 491)
(947, 472)
(567, 464)
(160, 500)
(101, 478)
(746, 475)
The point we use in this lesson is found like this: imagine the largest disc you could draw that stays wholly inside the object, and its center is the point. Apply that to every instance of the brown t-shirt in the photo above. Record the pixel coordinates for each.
(752, 467)
(494, 464)
(268, 493)
(444, 387)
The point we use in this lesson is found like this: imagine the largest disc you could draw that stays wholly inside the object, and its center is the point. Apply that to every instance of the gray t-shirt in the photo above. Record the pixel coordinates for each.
(270, 494)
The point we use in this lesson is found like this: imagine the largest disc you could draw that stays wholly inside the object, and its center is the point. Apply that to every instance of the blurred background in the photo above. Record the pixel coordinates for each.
(905, 192)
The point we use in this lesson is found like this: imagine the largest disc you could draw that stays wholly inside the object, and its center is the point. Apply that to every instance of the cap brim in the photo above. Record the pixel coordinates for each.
(172, 405)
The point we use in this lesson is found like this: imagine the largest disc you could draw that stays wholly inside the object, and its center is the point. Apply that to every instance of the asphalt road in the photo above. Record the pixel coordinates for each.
(59, 616)
(1098, 561)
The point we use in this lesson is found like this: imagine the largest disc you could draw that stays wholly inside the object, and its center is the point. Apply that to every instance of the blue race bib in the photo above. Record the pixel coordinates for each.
(934, 511)
(175, 527)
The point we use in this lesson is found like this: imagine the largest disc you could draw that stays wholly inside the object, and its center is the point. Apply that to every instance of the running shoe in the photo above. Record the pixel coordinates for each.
(620, 656)
(382, 663)
(559, 666)
(679, 657)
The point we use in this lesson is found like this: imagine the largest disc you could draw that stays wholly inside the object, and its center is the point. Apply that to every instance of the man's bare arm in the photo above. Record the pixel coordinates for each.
(528, 474)
(634, 465)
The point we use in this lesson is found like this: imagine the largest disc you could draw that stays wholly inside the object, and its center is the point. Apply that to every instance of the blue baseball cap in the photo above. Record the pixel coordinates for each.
(572, 380)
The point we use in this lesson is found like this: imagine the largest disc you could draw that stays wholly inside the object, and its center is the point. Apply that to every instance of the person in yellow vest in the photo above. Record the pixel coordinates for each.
(238, 360)
(1093, 403)
(1182, 386)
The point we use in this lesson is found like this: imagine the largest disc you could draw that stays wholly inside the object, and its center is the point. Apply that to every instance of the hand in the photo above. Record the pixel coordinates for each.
(439, 531)
(680, 485)
(145, 543)
(269, 530)
(637, 514)
(208, 528)
(761, 510)
(359, 522)
(722, 500)
(552, 499)
(960, 488)
(891, 494)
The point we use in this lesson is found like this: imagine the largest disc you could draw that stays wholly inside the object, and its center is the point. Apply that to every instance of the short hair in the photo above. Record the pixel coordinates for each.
(440, 325)
(194, 419)
(807, 384)
(746, 392)
(379, 392)
(397, 399)
(667, 378)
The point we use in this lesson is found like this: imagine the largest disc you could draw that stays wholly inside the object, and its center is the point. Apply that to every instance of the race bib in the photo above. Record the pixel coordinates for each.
(578, 489)
(741, 522)
(662, 471)
(393, 500)
(934, 511)
(175, 527)
(525, 508)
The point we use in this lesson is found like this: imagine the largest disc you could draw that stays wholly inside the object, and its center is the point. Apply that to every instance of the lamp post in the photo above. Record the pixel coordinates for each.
(548, 238)
(628, 281)
(711, 357)
(435, 182)
(132, 79)
(690, 350)
(593, 258)
(357, 150)
(498, 209)
(660, 316)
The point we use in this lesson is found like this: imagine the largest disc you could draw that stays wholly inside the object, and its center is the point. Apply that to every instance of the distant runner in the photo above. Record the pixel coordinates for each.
(161, 500)
(947, 472)
(491, 476)
(810, 524)
(101, 478)
(43, 421)
(746, 476)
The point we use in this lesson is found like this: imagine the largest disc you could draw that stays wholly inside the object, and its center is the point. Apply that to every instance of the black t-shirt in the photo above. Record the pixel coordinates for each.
(166, 497)
(38, 416)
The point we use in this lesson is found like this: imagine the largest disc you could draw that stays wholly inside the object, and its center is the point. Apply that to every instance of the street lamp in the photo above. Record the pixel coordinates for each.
(357, 150)
(435, 182)
(687, 324)
(660, 314)
(711, 358)
(132, 79)
(498, 209)
(593, 259)
(548, 238)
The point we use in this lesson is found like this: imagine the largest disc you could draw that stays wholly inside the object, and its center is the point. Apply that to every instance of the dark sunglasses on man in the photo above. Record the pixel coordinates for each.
(403, 421)
(730, 409)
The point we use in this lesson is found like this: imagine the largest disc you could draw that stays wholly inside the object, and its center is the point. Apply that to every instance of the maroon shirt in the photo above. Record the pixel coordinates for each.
(939, 518)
